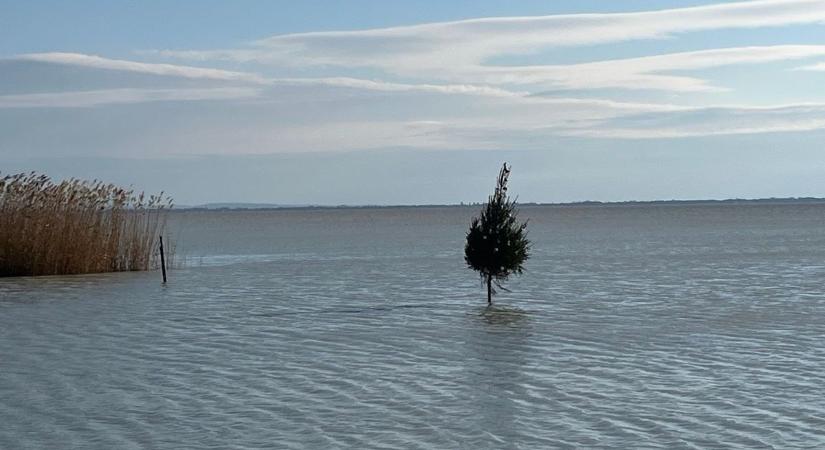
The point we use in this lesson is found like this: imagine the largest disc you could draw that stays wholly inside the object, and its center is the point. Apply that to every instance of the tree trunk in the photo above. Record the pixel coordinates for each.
(489, 290)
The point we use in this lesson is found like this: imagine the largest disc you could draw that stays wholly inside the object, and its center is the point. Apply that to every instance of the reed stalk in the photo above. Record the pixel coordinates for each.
(77, 226)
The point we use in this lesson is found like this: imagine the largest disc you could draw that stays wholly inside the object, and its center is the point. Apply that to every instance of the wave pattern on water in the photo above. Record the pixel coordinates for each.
(658, 327)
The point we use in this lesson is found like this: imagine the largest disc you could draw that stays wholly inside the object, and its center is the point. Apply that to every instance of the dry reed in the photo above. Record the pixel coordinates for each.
(76, 226)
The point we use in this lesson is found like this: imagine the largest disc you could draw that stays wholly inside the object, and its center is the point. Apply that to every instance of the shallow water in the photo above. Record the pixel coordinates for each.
(635, 326)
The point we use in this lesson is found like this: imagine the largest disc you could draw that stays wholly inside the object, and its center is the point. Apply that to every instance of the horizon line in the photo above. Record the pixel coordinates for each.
(270, 206)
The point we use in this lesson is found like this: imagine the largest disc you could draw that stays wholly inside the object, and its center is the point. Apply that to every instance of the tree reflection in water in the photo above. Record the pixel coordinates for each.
(498, 349)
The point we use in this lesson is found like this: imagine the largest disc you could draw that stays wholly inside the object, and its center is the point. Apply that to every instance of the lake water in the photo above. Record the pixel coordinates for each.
(635, 326)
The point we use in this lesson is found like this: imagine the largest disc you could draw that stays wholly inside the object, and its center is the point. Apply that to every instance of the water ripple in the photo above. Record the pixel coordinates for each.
(665, 328)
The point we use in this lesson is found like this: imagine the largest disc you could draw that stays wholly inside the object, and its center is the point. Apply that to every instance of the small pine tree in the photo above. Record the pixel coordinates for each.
(497, 244)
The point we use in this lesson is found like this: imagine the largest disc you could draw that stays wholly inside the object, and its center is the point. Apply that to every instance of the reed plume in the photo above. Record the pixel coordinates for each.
(76, 226)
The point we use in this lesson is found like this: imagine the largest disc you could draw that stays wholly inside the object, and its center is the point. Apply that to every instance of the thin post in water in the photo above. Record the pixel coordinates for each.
(162, 260)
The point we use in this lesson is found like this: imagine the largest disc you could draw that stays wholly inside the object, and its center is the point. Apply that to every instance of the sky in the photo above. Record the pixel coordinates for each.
(418, 102)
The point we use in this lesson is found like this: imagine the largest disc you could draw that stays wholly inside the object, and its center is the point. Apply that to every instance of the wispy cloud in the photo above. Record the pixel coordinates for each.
(443, 85)
(385, 86)
(774, 126)
(85, 99)
(514, 131)
(820, 67)
(706, 121)
(171, 70)
(425, 50)
(649, 72)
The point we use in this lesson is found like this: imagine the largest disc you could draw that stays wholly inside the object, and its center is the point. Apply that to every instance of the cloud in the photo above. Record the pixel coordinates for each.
(341, 113)
(86, 89)
(170, 70)
(708, 121)
(774, 126)
(384, 86)
(322, 121)
(814, 67)
(84, 99)
(505, 131)
(98, 64)
(496, 132)
(648, 72)
(440, 87)
(467, 45)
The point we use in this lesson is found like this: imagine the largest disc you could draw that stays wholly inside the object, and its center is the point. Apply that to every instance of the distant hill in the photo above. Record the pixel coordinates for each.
(732, 201)
(729, 201)
(242, 206)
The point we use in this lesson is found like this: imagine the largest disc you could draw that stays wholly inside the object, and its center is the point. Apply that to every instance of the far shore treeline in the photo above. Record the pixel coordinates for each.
(76, 226)
(694, 202)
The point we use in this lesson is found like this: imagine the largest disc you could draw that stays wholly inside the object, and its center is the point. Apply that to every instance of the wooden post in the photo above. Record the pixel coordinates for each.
(162, 260)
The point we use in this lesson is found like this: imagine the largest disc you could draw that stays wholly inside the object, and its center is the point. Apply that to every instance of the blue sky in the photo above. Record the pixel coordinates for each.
(418, 102)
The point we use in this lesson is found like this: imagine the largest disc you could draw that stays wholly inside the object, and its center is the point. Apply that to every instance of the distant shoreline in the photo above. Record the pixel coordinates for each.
(732, 201)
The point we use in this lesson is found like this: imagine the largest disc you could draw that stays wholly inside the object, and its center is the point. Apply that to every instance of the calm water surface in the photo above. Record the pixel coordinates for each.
(647, 326)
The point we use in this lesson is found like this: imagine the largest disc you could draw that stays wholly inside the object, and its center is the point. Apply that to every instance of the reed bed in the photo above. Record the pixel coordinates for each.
(76, 226)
